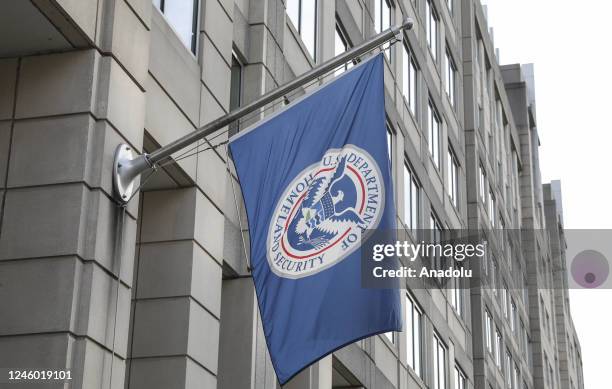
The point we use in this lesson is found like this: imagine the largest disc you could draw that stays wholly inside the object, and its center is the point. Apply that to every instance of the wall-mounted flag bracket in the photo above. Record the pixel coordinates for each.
(128, 165)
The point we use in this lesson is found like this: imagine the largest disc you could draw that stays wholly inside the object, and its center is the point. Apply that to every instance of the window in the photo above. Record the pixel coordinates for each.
(439, 363)
(341, 44)
(182, 16)
(235, 91)
(411, 199)
(382, 15)
(453, 177)
(390, 143)
(235, 83)
(498, 348)
(494, 276)
(502, 227)
(552, 376)
(449, 76)
(488, 331)
(504, 299)
(513, 316)
(413, 335)
(409, 82)
(303, 15)
(491, 207)
(382, 20)
(516, 377)
(546, 376)
(431, 27)
(457, 296)
(508, 368)
(390, 336)
(436, 228)
(525, 339)
(434, 134)
(483, 180)
(460, 379)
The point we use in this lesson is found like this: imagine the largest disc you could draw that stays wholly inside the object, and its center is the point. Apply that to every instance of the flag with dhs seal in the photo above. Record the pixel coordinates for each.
(315, 177)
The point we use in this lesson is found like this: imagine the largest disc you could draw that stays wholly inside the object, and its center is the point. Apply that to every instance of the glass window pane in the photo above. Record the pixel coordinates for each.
(235, 84)
(308, 25)
(415, 205)
(428, 21)
(378, 15)
(390, 145)
(441, 366)
(386, 14)
(405, 74)
(180, 14)
(413, 87)
(434, 36)
(339, 45)
(390, 336)
(409, 333)
(407, 196)
(436, 367)
(417, 342)
(293, 11)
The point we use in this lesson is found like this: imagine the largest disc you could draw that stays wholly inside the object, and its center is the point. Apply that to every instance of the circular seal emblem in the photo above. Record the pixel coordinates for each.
(323, 212)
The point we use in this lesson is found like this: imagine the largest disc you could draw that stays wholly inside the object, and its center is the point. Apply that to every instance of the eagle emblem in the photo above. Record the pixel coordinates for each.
(322, 211)
(320, 217)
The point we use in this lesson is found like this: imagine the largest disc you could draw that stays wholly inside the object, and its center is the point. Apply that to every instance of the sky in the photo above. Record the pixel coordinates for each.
(568, 42)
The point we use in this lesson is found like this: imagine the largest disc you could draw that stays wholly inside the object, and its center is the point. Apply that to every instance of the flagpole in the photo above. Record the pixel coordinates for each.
(128, 165)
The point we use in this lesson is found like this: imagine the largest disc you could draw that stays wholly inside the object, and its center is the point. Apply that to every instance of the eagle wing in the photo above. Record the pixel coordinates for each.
(316, 189)
(340, 222)
(339, 172)
(321, 184)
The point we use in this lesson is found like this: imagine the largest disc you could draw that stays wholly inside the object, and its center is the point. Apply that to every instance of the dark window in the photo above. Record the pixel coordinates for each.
(235, 90)
(434, 134)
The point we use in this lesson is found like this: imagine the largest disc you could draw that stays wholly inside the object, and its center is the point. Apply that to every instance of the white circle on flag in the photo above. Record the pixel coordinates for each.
(321, 215)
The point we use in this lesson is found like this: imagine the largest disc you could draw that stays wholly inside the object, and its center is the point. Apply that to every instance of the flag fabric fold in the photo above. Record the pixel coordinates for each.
(315, 180)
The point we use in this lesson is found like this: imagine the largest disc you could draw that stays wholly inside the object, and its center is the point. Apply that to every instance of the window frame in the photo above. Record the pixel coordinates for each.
(433, 140)
(439, 353)
(492, 208)
(193, 43)
(460, 377)
(410, 72)
(299, 29)
(508, 368)
(236, 63)
(483, 183)
(340, 32)
(488, 331)
(499, 344)
(414, 338)
(453, 176)
(379, 19)
(457, 299)
(432, 21)
(412, 181)
(390, 137)
(513, 315)
(450, 77)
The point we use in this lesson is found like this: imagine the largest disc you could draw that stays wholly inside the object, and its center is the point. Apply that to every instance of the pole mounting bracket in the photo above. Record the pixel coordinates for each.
(127, 165)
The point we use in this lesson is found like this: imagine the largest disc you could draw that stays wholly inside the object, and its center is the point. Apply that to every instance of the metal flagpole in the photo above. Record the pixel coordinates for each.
(128, 166)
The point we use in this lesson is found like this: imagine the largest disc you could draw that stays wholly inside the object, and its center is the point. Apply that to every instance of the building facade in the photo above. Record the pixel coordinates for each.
(159, 295)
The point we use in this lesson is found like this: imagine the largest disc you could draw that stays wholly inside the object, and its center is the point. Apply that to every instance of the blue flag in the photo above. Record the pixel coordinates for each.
(316, 181)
